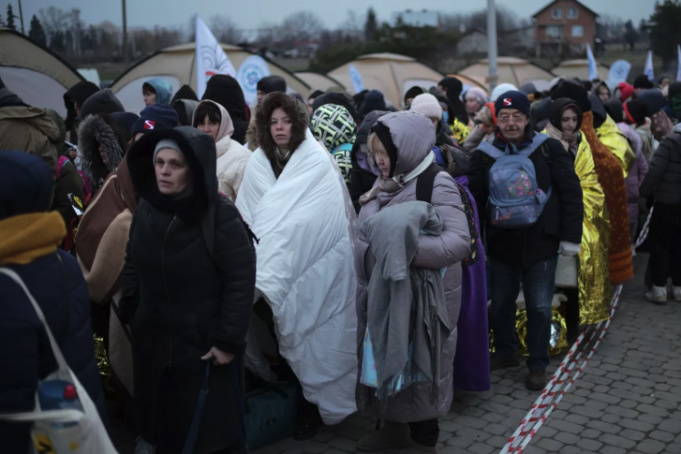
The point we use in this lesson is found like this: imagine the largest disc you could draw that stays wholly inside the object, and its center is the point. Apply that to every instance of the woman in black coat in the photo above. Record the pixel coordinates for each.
(188, 287)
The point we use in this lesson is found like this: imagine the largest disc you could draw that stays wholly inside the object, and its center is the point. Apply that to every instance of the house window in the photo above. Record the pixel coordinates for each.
(577, 47)
(577, 31)
(554, 31)
(572, 13)
(557, 13)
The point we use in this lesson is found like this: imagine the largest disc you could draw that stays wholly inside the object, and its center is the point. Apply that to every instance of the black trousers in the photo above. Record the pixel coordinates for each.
(425, 432)
(665, 244)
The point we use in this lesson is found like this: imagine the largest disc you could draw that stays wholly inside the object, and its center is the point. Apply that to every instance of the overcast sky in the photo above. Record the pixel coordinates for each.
(249, 14)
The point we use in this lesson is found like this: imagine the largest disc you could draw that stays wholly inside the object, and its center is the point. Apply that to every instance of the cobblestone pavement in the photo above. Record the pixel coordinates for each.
(626, 400)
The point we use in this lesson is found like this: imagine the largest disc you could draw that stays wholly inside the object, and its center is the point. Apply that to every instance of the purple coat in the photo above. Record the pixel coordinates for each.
(637, 173)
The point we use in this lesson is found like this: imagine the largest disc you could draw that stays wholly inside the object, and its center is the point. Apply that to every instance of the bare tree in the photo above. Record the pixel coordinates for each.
(302, 25)
(54, 20)
(224, 29)
(353, 25)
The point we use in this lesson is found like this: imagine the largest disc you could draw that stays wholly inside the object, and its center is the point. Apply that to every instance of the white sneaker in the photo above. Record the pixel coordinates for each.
(142, 447)
(657, 295)
(676, 293)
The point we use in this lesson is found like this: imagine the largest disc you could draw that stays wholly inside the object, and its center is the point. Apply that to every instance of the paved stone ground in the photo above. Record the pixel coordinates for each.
(626, 400)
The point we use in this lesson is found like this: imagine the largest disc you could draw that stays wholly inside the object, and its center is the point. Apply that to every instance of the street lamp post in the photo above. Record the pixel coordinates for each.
(125, 34)
(492, 77)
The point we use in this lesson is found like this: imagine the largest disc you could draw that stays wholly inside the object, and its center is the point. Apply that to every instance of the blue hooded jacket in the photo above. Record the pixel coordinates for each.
(56, 282)
(163, 89)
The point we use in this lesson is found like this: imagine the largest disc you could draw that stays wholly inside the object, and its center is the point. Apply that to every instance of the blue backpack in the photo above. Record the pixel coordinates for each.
(515, 199)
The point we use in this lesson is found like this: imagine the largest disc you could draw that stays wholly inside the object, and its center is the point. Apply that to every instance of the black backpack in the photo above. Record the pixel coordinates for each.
(424, 193)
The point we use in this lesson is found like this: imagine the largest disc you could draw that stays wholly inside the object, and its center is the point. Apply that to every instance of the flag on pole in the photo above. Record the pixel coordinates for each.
(619, 71)
(250, 72)
(210, 59)
(356, 79)
(678, 69)
(593, 72)
(648, 70)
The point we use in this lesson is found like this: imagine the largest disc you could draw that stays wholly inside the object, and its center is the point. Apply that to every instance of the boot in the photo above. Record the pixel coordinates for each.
(676, 293)
(657, 295)
(392, 435)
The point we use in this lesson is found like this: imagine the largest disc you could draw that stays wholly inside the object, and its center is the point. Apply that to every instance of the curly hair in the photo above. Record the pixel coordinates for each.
(295, 110)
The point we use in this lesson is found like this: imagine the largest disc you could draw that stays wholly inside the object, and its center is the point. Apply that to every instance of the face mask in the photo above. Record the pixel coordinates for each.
(445, 117)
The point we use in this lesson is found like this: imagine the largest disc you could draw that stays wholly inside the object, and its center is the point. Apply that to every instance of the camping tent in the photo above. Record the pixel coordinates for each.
(36, 75)
(579, 68)
(318, 81)
(176, 65)
(510, 70)
(392, 74)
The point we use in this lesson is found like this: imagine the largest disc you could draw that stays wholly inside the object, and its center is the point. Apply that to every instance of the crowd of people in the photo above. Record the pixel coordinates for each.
(362, 251)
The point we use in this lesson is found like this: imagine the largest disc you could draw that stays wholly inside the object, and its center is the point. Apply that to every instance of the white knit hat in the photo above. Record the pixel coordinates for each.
(501, 89)
(165, 143)
(427, 105)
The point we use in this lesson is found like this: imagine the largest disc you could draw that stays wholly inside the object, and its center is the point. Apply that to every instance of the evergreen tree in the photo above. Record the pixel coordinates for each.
(664, 29)
(36, 33)
(371, 26)
(10, 18)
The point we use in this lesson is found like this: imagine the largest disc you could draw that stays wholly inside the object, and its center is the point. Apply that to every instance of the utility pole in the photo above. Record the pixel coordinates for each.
(21, 17)
(125, 34)
(492, 77)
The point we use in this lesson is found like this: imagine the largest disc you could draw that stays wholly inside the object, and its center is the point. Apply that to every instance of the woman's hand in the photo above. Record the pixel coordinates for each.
(220, 358)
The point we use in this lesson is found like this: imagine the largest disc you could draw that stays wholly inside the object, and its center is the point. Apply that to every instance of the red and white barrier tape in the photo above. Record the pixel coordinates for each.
(545, 404)
(646, 227)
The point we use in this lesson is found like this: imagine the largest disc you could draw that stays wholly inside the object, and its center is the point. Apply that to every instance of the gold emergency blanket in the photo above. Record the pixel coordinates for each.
(459, 130)
(593, 278)
(557, 342)
(612, 138)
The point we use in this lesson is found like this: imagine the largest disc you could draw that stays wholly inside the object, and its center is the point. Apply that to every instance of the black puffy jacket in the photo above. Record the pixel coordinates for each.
(182, 298)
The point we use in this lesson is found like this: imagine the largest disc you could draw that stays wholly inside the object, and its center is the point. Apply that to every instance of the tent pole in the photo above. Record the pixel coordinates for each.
(492, 77)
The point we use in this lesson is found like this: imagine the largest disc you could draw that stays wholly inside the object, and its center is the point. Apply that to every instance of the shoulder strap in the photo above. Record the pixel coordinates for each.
(490, 150)
(425, 181)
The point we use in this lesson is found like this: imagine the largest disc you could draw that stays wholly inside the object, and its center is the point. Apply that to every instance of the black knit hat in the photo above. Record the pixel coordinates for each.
(512, 99)
(674, 90)
(270, 84)
(615, 110)
(157, 116)
(413, 92)
(635, 112)
(642, 81)
(653, 99)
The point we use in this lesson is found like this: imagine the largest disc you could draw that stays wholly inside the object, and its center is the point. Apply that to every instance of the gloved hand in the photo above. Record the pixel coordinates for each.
(567, 249)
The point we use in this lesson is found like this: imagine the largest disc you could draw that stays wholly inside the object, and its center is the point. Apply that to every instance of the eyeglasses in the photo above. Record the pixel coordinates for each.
(516, 118)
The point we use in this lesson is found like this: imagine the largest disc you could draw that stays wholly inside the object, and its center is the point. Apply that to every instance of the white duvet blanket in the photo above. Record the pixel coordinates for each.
(305, 270)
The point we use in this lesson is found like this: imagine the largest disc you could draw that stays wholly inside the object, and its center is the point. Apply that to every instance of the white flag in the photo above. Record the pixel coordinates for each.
(648, 70)
(356, 79)
(619, 71)
(211, 59)
(593, 71)
(250, 72)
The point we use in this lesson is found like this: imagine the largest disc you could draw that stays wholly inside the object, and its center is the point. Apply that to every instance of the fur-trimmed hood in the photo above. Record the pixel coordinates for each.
(93, 131)
(296, 111)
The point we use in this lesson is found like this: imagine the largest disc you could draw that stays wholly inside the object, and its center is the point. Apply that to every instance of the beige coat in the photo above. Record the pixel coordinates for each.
(232, 156)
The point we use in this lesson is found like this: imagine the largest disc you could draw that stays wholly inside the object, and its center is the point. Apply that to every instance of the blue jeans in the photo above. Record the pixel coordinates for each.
(538, 286)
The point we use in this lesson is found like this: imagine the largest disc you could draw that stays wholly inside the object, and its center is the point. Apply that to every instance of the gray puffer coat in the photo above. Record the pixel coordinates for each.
(414, 136)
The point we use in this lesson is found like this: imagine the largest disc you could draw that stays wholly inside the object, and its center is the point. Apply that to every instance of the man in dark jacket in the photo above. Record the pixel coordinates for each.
(528, 254)
(664, 182)
(28, 246)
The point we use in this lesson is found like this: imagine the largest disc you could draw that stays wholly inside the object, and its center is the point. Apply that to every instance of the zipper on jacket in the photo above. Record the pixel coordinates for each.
(167, 293)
